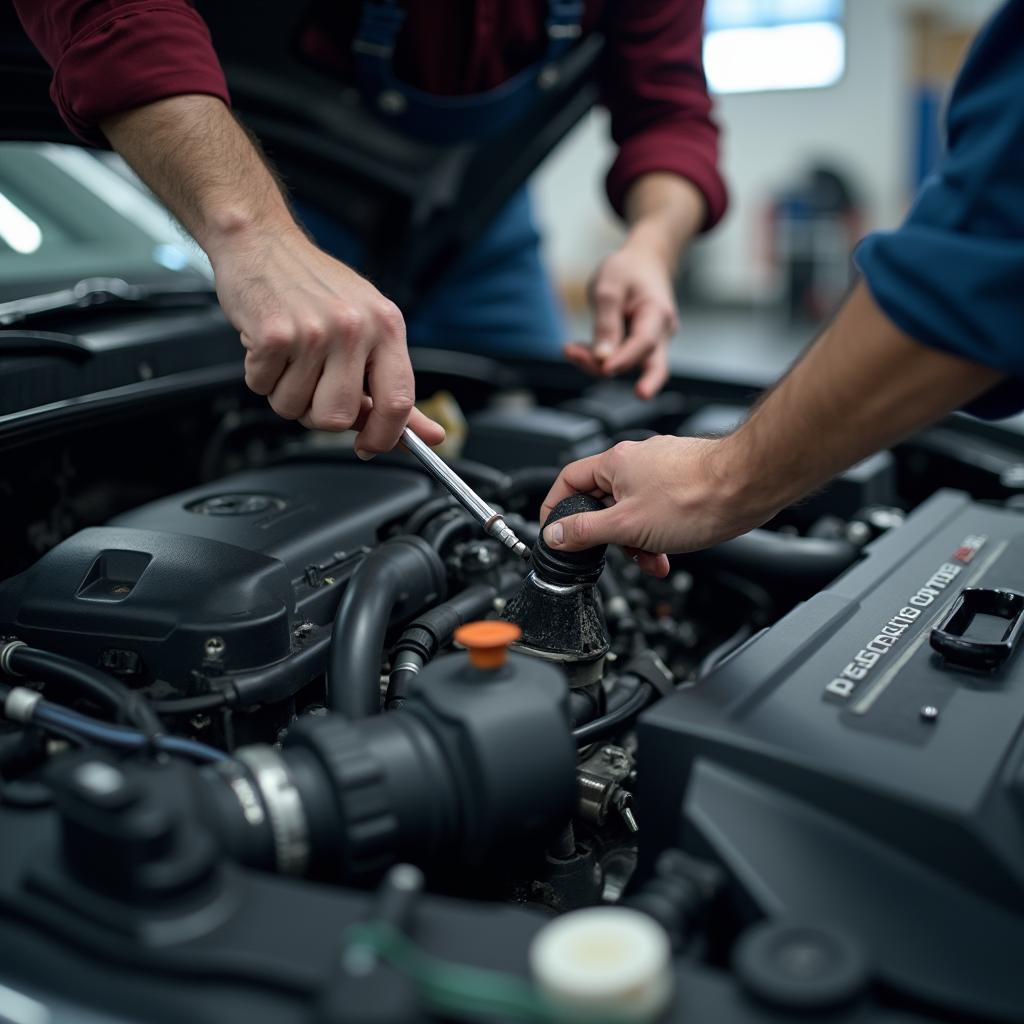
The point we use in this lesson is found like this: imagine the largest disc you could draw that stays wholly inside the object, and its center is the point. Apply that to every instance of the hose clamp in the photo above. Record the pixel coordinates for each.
(562, 589)
(20, 705)
(283, 804)
(5, 656)
(407, 661)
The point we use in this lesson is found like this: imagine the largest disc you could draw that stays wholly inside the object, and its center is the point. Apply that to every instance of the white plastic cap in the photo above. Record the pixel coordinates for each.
(610, 961)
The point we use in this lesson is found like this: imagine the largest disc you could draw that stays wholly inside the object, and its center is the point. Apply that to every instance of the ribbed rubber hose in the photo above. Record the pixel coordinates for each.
(404, 571)
(422, 638)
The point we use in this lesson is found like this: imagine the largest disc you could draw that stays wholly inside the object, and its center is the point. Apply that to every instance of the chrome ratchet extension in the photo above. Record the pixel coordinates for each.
(494, 526)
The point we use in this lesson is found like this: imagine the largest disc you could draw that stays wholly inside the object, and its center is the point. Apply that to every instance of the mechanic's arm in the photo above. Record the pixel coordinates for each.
(633, 291)
(862, 386)
(313, 329)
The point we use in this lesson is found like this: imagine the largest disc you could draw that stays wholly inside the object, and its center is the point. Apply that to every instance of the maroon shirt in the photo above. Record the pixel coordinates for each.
(113, 55)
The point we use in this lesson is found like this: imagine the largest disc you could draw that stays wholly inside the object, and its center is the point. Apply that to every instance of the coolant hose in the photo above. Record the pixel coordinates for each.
(797, 563)
(402, 575)
(421, 639)
(623, 706)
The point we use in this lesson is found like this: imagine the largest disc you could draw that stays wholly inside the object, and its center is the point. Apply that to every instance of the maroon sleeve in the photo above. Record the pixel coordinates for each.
(655, 89)
(113, 55)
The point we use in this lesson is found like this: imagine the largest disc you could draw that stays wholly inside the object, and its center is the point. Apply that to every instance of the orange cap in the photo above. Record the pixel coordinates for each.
(488, 641)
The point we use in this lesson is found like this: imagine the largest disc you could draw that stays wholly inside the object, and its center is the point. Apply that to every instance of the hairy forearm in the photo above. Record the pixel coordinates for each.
(199, 161)
(664, 211)
(321, 342)
(863, 385)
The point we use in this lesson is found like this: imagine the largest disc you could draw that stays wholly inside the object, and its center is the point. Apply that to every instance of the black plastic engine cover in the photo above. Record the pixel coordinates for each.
(236, 561)
(513, 438)
(846, 773)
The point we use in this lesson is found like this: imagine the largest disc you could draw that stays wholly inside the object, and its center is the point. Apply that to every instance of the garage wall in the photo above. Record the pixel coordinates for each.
(863, 123)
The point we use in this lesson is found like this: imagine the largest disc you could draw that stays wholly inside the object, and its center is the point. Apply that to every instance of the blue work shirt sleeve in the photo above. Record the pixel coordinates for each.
(952, 276)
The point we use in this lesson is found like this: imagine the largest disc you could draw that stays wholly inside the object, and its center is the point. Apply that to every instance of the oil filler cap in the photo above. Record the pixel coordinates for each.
(611, 962)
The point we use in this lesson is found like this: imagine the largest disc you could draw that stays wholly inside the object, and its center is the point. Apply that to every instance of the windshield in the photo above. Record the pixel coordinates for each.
(68, 214)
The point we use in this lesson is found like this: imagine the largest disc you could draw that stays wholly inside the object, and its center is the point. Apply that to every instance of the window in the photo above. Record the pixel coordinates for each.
(758, 45)
(66, 214)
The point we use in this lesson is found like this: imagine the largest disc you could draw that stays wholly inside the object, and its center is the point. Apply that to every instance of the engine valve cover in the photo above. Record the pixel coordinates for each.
(845, 770)
(216, 576)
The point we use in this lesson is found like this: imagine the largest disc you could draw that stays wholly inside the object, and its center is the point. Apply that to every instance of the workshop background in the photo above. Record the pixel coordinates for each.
(830, 115)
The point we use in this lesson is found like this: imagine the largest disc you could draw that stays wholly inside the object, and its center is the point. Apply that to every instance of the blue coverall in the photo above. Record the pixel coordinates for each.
(952, 276)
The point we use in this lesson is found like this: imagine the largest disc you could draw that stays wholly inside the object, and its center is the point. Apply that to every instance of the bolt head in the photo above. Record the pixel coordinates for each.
(858, 532)
(929, 713)
(214, 647)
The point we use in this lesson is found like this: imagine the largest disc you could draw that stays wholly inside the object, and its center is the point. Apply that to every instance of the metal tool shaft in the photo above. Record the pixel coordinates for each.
(493, 524)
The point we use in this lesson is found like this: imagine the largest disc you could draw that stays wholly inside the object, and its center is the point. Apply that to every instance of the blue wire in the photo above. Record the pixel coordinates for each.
(78, 726)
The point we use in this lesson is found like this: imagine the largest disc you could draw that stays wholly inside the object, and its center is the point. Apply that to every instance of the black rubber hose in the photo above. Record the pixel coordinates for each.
(461, 523)
(529, 479)
(434, 507)
(404, 574)
(800, 563)
(485, 478)
(191, 705)
(112, 693)
(583, 706)
(275, 682)
(422, 639)
(617, 716)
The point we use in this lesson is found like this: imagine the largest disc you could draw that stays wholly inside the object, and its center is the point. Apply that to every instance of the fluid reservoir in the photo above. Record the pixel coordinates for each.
(478, 765)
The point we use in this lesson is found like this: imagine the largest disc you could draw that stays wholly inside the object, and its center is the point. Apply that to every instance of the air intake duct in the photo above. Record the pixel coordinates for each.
(478, 764)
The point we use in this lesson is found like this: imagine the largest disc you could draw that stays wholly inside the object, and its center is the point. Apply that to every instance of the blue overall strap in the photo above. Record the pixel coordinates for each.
(378, 29)
(451, 118)
(564, 24)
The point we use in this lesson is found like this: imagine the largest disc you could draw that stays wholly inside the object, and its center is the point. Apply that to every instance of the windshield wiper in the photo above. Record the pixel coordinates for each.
(104, 291)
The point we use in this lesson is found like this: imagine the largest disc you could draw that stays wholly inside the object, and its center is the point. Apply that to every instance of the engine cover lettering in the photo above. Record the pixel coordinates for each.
(848, 680)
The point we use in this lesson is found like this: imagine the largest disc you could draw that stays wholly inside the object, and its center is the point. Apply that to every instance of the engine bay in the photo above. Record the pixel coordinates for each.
(254, 758)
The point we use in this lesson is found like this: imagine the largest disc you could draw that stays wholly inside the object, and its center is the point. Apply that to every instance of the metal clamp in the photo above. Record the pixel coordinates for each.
(283, 804)
(5, 656)
(21, 703)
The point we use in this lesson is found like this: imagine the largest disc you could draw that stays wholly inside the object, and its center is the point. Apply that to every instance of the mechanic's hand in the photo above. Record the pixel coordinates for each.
(664, 495)
(635, 317)
(319, 339)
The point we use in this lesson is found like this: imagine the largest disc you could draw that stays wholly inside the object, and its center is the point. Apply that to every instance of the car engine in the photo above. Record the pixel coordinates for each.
(297, 742)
